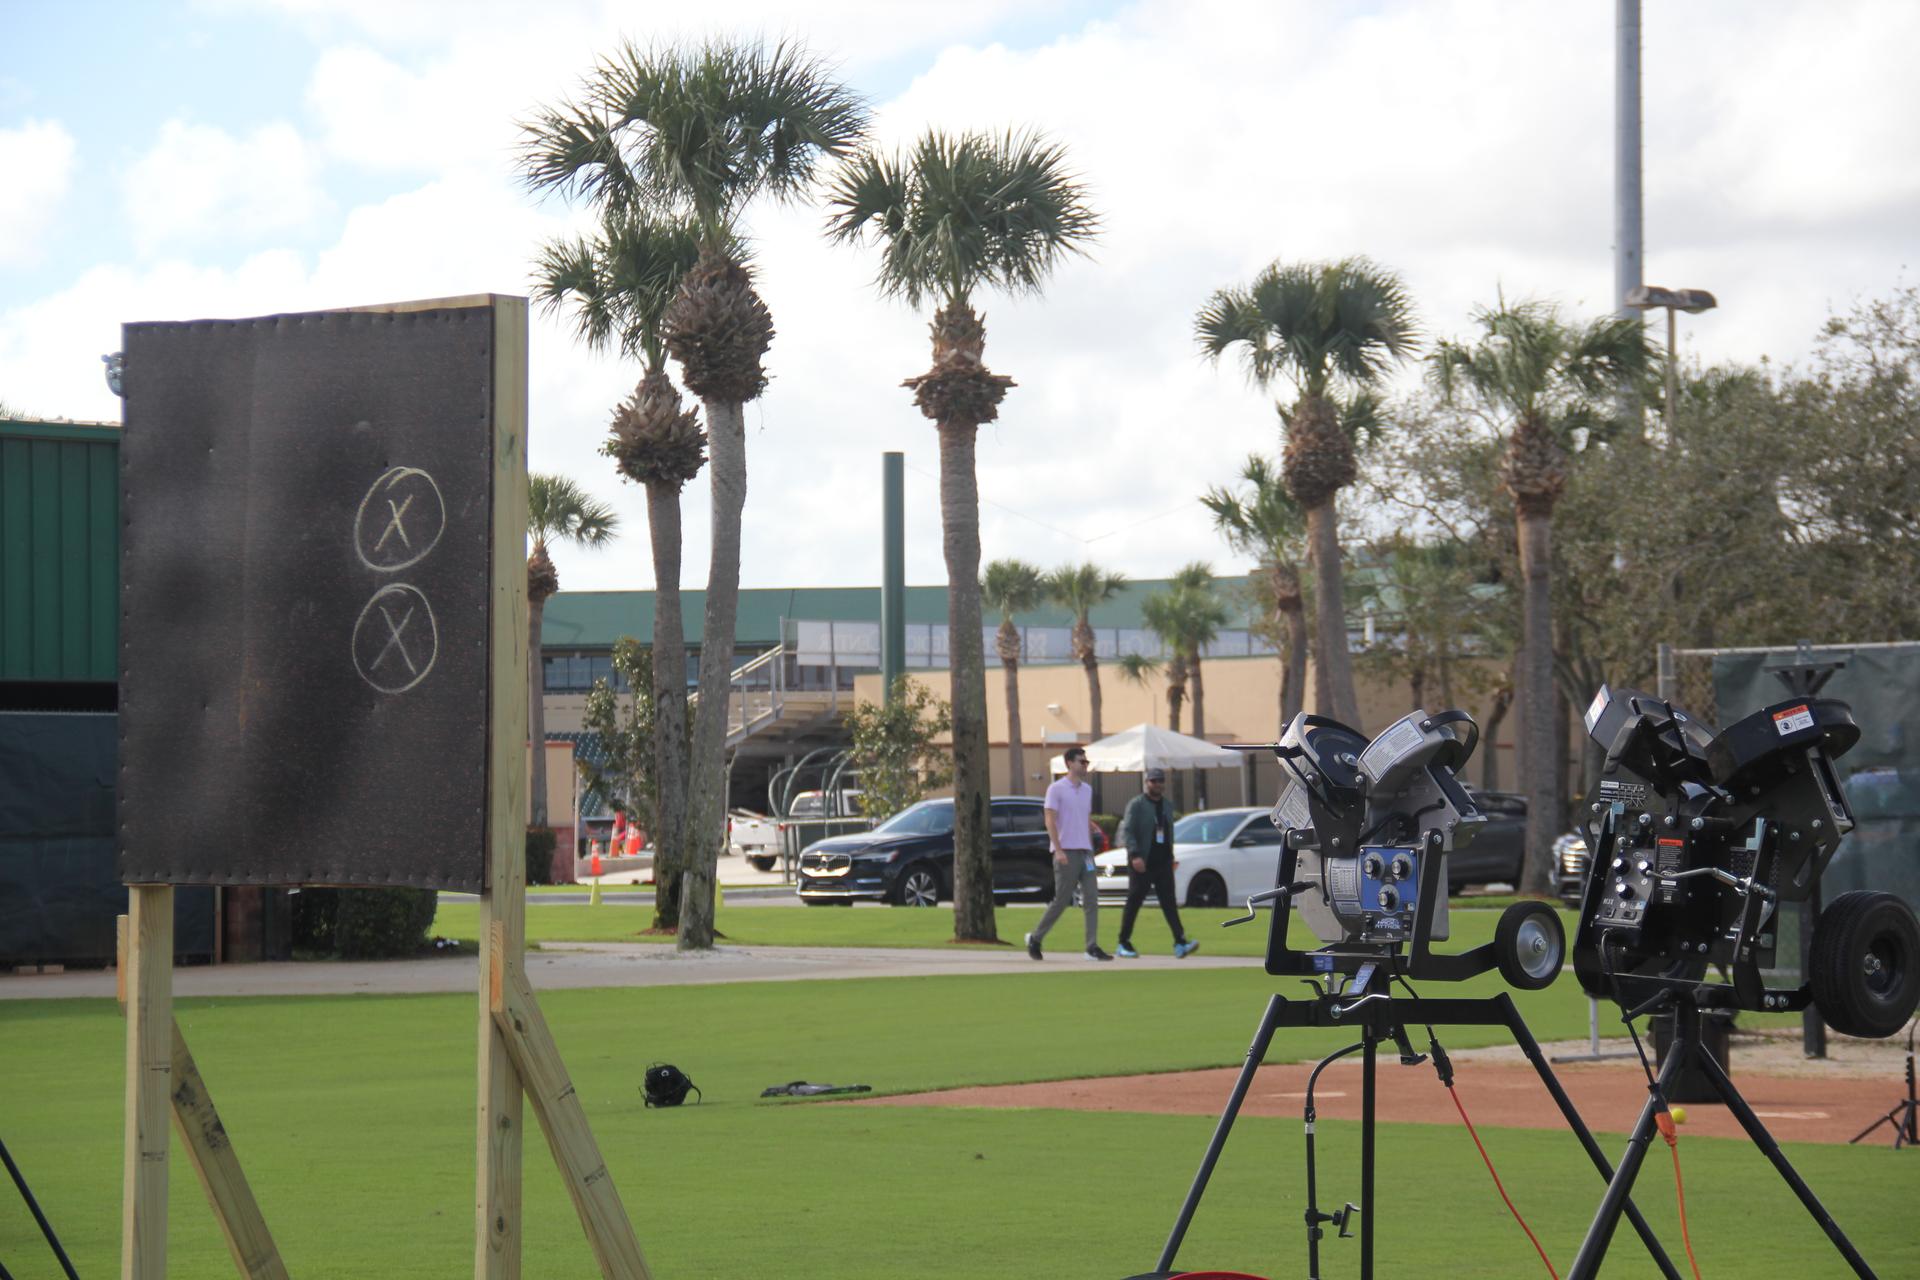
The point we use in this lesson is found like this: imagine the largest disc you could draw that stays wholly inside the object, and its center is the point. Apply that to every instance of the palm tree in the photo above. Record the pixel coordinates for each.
(1321, 325)
(1010, 587)
(701, 133)
(558, 510)
(1550, 384)
(1264, 521)
(1201, 613)
(957, 214)
(1079, 589)
(1161, 613)
(619, 284)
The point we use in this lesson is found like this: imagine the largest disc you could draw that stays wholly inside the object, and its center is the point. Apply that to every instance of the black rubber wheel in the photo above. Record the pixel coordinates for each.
(1865, 966)
(919, 886)
(761, 864)
(1530, 945)
(1206, 890)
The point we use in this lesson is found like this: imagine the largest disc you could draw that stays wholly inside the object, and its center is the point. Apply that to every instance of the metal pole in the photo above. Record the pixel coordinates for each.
(1669, 673)
(893, 572)
(1673, 370)
(1627, 250)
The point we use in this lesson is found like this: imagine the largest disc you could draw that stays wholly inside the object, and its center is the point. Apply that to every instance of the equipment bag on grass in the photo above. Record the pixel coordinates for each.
(667, 1085)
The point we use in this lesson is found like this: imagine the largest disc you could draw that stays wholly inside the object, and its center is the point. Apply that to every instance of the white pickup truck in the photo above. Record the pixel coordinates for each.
(754, 837)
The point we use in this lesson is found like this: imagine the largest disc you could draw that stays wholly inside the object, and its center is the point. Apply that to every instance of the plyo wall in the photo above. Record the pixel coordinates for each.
(305, 599)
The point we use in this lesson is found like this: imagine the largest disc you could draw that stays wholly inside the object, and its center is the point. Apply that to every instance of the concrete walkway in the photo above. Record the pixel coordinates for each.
(559, 965)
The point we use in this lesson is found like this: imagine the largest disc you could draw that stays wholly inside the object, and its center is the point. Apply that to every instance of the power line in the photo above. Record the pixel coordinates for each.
(1053, 528)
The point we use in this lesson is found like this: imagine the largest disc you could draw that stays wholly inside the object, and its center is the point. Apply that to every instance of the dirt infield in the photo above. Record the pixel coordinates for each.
(1823, 1102)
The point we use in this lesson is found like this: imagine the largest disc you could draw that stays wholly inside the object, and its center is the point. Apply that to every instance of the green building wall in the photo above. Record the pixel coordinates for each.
(59, 551)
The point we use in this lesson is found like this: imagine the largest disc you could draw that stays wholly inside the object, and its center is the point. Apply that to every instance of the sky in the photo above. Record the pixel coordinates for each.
(182, 159)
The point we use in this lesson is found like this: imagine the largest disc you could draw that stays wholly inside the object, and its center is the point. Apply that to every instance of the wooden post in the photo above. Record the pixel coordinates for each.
(503, 900)
(149, 987)
(569, 1136)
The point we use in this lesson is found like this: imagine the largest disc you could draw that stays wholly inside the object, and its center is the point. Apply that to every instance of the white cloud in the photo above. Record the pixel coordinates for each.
(200, 186)
(38, 161)
(1466, 144)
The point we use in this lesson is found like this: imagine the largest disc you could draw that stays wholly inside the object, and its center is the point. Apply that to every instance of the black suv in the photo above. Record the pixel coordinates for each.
(1497, 850)
(908, 859)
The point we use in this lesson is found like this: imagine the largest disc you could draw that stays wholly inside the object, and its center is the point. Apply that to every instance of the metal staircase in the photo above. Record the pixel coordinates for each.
(761, 707)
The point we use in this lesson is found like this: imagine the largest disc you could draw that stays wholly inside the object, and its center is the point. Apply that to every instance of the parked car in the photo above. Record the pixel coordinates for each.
(754, 837)
(908, 859)
(1570, 859)
(1498, 849)
(1224, 856)
(820, 804)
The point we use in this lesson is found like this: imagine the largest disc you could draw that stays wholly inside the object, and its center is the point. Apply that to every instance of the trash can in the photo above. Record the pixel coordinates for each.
(1690, 1083)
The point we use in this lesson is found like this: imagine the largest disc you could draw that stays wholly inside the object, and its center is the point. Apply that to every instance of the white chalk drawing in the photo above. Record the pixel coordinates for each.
(395, 639)
(399, 521)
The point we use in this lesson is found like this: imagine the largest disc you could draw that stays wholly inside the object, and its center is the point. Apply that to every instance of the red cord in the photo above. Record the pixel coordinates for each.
(1485, 1159)
(1679, 1188)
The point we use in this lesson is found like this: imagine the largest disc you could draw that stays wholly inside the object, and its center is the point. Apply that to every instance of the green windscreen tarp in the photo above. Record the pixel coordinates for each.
(1882, 772)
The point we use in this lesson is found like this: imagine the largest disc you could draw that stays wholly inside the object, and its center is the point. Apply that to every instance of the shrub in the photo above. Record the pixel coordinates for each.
(540, 843)
(363, 924)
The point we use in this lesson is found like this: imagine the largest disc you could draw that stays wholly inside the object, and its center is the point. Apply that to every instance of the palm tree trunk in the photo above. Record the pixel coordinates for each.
(1016, 748)
(1333, 674)
(1198, 692)
(1092, 665)
(972, 848)
(1537, 697)
(707, 763)
(1490, 758)
(536, 714)
(1293, 678)
(669, 706)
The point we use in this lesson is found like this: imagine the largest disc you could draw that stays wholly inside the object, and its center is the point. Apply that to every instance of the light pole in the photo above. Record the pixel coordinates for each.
(1693, 301)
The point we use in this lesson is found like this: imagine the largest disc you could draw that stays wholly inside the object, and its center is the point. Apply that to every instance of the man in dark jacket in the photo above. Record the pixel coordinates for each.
(1147, 830)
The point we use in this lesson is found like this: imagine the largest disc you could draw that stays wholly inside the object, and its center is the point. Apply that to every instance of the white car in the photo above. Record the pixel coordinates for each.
(1223, 857)
(754, 837)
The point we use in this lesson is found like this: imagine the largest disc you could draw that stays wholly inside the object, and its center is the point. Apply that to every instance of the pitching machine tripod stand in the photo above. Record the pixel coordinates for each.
(1905, 1116)
(1686, 1049)
(1376, 1016)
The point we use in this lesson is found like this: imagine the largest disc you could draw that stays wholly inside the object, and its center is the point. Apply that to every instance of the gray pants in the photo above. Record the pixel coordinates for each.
(1077, 874)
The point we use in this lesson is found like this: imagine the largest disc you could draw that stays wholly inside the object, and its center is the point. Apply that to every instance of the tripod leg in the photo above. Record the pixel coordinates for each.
(1771, 1150)
(1366, 1156)
(1531, 1047)
(1892, 1118)
(1256, 1053)
(1600, 1234)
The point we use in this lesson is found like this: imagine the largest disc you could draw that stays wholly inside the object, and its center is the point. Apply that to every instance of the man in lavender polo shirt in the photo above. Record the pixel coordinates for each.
(1070, 836)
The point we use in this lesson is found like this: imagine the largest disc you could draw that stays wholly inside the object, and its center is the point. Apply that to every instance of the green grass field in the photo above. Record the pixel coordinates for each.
(353, 1116)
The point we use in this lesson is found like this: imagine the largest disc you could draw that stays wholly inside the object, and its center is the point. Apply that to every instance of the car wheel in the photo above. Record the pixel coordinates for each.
(1865, 966)
(761, 864)
(1207, 889)
(919, 887)
(1529, 944)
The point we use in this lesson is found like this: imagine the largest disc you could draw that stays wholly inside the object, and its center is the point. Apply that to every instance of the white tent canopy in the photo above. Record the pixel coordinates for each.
(1147, 746)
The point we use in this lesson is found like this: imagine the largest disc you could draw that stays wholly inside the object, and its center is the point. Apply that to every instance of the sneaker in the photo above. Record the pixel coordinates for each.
(1033, 947)
(1181, 950)
(1095, 953)
(1126, 951)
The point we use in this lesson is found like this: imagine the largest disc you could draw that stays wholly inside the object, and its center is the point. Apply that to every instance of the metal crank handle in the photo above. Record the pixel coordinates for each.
(1266, 895)
(1341, 1011)
(1745, 884)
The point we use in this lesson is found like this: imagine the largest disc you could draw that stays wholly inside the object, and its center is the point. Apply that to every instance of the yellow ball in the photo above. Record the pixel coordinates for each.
(1679, 1115)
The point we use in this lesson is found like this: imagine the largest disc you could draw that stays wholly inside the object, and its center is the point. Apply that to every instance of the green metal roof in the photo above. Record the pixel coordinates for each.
(59, 551)
(596, 619)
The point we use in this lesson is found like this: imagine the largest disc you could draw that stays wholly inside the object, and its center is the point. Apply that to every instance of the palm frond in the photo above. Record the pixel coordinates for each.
(960, 211)
(1314, 323)
(1012, 586)
(1263, 520)
(621, 281)
(1079, 588)
(558, 508)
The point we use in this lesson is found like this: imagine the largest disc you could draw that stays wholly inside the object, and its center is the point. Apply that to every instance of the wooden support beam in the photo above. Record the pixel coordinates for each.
(214, 1161)
(609, 1231)
(254, 1253)
(503, 901)
(149, 987)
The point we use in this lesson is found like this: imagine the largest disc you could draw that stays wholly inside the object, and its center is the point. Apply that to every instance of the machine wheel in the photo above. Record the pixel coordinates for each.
(1529, 945)
(919, 887)
(1206, 890)
(760, 863)
(1865, 966)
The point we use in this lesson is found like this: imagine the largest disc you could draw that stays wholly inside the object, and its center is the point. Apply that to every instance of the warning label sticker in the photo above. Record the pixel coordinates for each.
(1793, 719)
